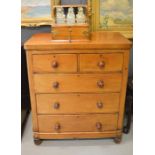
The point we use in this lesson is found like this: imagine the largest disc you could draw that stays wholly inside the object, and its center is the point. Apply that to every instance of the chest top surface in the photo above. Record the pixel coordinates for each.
(99, 40)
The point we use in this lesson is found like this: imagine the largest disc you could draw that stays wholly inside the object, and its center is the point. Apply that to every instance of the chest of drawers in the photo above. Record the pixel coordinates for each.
(78, 89)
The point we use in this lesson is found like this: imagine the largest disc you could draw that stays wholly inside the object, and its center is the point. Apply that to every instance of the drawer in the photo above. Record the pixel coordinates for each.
(77, 123)
(101, 62)
(55, 63)
(55, 83)
(77, 103)
(70, 32)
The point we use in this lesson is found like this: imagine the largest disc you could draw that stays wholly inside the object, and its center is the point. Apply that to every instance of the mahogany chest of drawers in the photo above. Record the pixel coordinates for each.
(78, 89)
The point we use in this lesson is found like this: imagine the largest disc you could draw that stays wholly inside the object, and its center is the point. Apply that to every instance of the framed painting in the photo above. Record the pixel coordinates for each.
(35, 12)
(113, 15)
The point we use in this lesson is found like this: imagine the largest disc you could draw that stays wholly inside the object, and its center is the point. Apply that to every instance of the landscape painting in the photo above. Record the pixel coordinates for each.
(35, 8)
(113, 15)
(33, 11)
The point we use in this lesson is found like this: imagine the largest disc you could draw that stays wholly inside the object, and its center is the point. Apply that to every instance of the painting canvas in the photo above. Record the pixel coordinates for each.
(35, 8)
(33, 11)
(114, 15)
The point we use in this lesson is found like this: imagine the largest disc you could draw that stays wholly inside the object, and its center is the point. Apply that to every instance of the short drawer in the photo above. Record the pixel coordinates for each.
(101, 62)
(72, 32)
(55, 63)
(77, 123)
(57, 83)
(77, 103)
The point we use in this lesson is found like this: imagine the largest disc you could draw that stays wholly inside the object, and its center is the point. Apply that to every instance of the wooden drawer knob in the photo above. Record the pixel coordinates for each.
(99, 105)
(55, 84)
(56, 105)
(55, 64)
(101, 64)
(57, 126)
(100, 83)
(98, 125)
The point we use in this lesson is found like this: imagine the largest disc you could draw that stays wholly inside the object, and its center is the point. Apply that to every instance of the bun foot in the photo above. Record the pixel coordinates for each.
(118, 140)
(37, 141)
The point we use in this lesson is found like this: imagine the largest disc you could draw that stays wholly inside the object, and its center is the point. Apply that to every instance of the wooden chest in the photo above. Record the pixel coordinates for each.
(78, 89)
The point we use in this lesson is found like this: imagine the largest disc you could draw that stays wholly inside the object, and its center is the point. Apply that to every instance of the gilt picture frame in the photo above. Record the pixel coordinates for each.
(113, 15)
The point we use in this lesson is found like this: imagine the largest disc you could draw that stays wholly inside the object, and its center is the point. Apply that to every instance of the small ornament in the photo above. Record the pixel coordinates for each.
(60, 16)
(71, 16)
(80, 17)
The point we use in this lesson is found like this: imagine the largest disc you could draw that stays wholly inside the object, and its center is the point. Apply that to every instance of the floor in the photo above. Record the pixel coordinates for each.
(75, 147)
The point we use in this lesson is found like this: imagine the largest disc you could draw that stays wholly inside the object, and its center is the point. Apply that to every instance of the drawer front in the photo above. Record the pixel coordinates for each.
(77, 103)
(73, 32)
(55, 83)
(77, 123)
(101, 62)
(55, 63)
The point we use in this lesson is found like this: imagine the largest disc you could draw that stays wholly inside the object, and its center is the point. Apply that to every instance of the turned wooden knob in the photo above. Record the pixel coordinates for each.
(100, 84)
(98, 125)
(55, 64)
(101, 64)
(57, 126)
(99, 105)
(55, 84)
(56, 105)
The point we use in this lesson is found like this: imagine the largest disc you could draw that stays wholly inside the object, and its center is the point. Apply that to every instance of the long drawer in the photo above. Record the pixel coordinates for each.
(57, 83)
(101, 62)
(77, 103)
(54, 63)
(77, 123)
